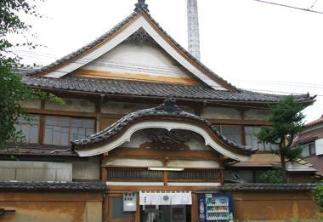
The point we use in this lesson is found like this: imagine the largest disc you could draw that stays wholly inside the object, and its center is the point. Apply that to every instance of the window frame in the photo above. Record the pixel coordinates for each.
(42, 126)
(69, 129)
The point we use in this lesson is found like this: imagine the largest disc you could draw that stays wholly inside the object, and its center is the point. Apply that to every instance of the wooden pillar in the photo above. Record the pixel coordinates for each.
(105, 210)
(104, 174)
(222, 170)
(41, 132)
(138, 212)
(243, 135)
(194, 208)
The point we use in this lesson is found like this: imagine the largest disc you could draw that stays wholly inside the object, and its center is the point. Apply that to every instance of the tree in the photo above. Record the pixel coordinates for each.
(287, 120)
(12, 90)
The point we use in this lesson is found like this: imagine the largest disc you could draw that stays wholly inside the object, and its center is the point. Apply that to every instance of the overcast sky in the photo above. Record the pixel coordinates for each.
(250, 44)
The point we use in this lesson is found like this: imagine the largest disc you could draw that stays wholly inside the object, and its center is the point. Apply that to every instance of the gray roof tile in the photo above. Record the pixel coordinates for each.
(146, 89)
(52, 186)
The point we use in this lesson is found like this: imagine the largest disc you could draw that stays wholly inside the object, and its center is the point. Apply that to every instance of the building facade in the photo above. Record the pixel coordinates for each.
(164, 134)
(311, 142)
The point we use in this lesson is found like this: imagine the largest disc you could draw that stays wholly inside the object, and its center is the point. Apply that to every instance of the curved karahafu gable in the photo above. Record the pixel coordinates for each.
(166, 116)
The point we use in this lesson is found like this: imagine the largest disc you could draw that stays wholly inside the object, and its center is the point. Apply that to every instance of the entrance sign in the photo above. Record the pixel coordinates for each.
(165, 198)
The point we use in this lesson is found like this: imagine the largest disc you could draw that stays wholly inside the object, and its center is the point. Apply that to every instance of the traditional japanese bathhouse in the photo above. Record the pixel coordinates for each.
(145, 117)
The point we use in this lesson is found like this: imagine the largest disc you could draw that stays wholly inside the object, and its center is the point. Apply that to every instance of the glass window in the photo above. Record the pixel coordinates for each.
(252, 140)
(311, 148)
(29, 127)
(232, 132)
(61, 130)
(305, 150)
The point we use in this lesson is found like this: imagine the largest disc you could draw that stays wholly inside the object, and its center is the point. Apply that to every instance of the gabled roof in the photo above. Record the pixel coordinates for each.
(120, 33)
(215, 88)
(166, 116)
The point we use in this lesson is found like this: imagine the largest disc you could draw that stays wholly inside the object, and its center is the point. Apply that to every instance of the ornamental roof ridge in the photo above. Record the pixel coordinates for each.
(170, 111)
(141, 6)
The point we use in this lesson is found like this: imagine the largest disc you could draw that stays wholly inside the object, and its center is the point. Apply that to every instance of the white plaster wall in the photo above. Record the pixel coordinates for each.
(86, 170)
(136, 58)
(194, 164)
(123, 108)
(254, 114)
(220, 113)
(75, 105)
(31, 104)
(35, 171)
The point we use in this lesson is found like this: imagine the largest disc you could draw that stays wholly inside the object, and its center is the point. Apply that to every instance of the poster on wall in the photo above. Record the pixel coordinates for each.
(215, 207)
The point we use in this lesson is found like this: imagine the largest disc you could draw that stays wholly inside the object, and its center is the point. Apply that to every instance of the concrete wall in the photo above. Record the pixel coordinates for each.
(52, 207)
(274, 206)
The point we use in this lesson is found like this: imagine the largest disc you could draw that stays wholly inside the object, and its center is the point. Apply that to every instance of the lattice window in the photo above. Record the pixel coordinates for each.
(141, 174)
(194, 175)
(134, 174)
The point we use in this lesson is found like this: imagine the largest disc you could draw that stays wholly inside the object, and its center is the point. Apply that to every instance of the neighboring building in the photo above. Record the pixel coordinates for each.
(311, 141)
(151, 122)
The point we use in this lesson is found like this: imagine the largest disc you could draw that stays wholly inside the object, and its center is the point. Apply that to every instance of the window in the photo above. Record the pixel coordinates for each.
(232, 132)
(308, 149)
(61, 130)
(29, 127)
(194, 175)
(252, 140)
(133, 174)
(311, 148)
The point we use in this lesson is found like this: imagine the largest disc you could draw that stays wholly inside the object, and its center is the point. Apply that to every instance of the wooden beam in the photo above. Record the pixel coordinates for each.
(240, 122)
(60, 113)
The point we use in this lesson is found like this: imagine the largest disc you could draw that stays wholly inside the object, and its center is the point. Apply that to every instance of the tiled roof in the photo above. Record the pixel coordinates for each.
(167, 110)
(144, 89)
(268, 187)
(53, 186)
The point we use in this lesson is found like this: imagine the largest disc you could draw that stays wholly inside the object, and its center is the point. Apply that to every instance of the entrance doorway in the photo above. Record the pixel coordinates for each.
(176, 213)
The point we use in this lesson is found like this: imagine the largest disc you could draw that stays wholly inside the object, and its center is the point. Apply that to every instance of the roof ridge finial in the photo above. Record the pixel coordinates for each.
(141, 6)
(170, 106)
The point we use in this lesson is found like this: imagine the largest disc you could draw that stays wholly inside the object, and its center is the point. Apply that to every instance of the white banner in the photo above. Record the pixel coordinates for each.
(165, 198)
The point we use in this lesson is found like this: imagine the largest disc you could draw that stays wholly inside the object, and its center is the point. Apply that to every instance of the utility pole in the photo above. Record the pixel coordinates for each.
(193, 29)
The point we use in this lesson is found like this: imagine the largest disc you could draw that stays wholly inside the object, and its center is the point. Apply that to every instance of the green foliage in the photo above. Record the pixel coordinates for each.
(272, 176)
(287, 120)
(318, 195)
(11, 22)
(12, 90)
